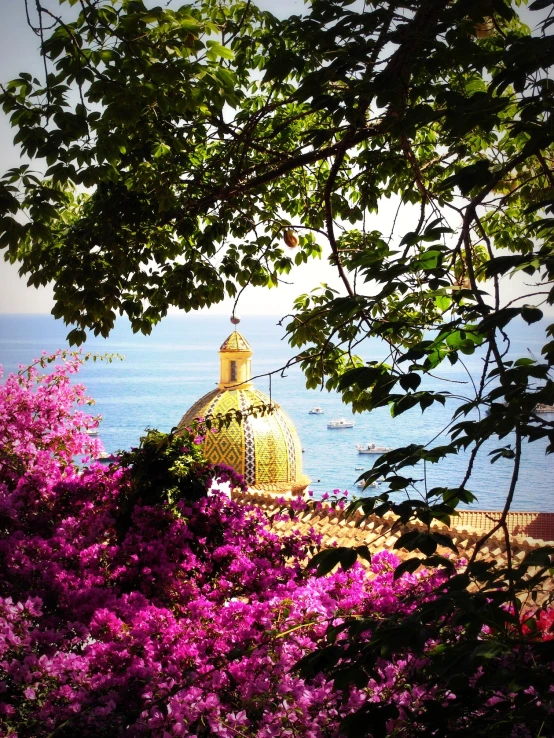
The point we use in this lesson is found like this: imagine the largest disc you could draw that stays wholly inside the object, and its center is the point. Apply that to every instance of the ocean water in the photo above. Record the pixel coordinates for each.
(164, 373)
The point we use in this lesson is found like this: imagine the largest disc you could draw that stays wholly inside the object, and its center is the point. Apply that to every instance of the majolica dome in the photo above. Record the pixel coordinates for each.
(265, 449)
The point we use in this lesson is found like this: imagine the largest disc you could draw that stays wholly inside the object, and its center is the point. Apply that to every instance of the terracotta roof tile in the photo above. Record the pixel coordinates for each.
(378, 533)
(538, 525)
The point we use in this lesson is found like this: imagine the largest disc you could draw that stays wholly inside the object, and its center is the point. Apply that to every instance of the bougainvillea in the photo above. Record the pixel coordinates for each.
(131, 607)
(41, 429)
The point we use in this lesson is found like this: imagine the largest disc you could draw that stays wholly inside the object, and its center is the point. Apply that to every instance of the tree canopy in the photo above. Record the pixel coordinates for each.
(181, 152)
(175, 146)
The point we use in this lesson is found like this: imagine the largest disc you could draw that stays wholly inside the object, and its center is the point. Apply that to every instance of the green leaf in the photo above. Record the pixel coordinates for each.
(215, 49)
(405, 403)
(161, 149)
(531, 314)
(444, 540)
(407, 566)
(542, 556)
(76, 337)
(468, 178)
(410, 381)
(325, 561)
(540, 4)
(408, 540)
(443, 302)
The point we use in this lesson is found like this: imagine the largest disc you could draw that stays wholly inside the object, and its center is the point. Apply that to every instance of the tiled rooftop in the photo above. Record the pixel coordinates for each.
(527, 530)
(528, 524)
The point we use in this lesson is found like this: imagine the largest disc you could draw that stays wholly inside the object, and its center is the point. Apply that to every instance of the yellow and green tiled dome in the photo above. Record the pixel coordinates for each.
(266, 448)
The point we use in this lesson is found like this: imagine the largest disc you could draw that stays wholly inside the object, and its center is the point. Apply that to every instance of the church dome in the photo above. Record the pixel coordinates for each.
(264, 447)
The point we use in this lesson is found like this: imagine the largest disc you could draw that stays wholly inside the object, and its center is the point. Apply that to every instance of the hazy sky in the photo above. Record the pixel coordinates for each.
(19, 52)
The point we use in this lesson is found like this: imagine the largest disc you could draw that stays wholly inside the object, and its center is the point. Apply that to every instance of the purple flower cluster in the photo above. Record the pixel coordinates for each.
(188, 624)
(41, 429)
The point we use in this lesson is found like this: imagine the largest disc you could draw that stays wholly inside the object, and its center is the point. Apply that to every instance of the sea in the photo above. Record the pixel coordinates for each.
(163, 374)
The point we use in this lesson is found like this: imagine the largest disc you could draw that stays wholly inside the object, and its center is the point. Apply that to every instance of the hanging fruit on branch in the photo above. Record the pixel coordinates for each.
(291, 238)
(484, 29)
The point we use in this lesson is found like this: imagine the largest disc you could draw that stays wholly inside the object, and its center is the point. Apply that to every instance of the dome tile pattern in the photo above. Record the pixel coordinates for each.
(235, 342)
(196, 411)
(265, 449)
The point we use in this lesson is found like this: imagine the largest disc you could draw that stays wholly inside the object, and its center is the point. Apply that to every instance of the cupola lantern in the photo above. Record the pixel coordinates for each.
(235, 363)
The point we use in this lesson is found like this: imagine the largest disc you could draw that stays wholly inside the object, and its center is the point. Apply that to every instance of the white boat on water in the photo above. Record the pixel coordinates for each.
(372, 448)
(105, 458)
(543, 408)
(92, 431)
(316, 411)
(366, 485)
(340, 423)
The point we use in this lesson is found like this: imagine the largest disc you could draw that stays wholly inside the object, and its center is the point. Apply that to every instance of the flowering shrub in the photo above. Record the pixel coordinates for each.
(41, 431)
(133, 604)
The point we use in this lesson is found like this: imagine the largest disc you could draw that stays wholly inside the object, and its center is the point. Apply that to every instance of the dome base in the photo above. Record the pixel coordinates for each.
(296, 488)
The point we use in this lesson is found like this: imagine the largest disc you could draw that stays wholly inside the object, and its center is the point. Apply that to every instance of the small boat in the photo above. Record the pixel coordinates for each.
(359, 468)
(372, 448)
(105, 458)
(91, 431)
(340, 423)
(316, 411)
(544, 408)
(365, 485)
(541, 408)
